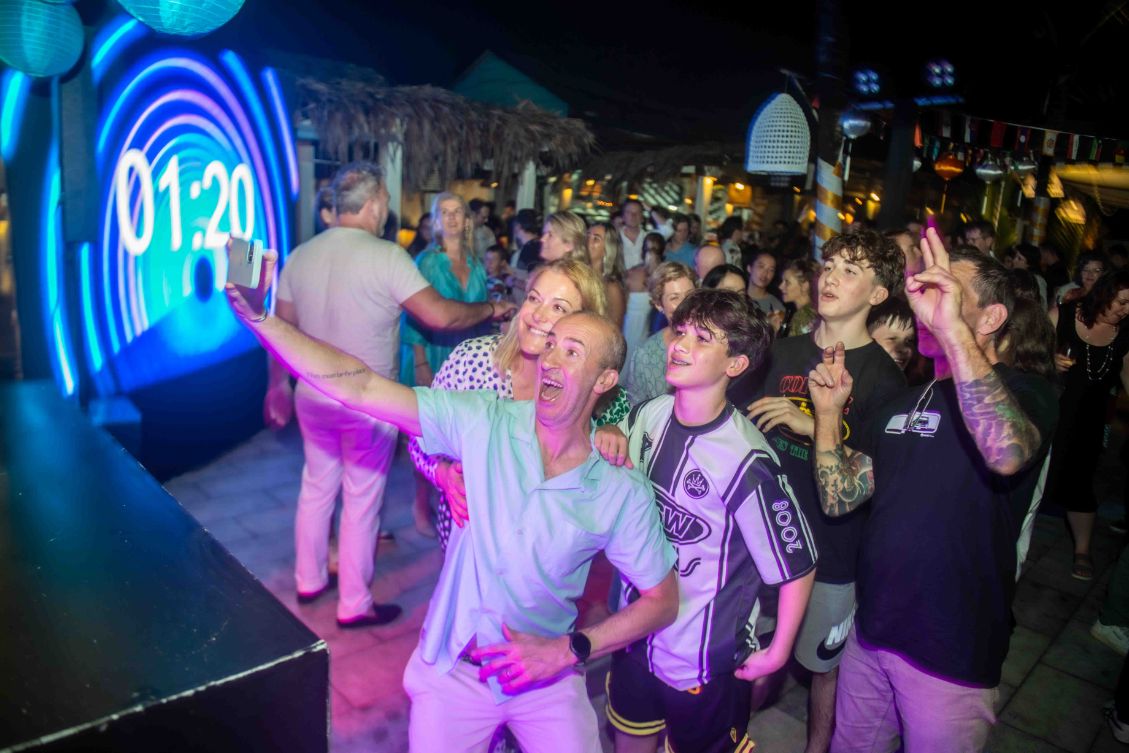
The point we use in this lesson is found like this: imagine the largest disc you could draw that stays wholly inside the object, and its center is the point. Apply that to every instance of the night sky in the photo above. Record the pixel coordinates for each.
(695, 71)
(698, 71)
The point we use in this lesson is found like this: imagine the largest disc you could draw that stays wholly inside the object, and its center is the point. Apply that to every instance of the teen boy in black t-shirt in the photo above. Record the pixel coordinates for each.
(937, 559)
(860, 270)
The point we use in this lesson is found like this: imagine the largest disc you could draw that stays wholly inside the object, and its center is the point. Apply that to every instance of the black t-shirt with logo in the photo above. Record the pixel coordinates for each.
(876, 377)
(936, 569)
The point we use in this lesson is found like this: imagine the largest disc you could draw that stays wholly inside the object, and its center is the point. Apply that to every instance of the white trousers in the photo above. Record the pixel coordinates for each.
(455, 713)
(348, 451)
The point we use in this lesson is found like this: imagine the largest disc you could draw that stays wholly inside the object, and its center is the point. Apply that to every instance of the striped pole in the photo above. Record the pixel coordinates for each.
(828, 204)
(1039, 213)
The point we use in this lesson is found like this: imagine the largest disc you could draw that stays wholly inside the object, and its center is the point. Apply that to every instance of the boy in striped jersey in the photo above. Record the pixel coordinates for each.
(731, 515)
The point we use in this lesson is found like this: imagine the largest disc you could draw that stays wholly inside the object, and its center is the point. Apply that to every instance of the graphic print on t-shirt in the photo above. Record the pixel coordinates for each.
(794, 387)
(875, 376)
(925, 423)
(734, 523)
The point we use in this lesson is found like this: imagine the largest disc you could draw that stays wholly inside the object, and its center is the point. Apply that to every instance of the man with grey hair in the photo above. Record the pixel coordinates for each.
(347, 287)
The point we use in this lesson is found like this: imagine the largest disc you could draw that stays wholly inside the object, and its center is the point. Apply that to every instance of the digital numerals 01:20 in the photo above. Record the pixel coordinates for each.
(236, 199)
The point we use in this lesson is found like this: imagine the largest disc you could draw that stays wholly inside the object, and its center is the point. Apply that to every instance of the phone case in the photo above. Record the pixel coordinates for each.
(244, 262)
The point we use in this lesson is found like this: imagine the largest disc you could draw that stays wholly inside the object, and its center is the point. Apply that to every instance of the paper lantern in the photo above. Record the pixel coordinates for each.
(40, 39)
(948, 166)
(989, 171)
(1024, 166)
(185, 18)
(779, 139)
(854, 124)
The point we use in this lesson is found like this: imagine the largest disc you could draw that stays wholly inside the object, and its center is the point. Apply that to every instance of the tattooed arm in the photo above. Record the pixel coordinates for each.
(845, 478)
(1004, 435)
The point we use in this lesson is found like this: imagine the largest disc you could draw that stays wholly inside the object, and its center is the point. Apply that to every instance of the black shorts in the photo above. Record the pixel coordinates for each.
(712, 718)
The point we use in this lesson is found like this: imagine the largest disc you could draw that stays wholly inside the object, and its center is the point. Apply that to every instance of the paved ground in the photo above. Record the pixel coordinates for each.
(1054, 682)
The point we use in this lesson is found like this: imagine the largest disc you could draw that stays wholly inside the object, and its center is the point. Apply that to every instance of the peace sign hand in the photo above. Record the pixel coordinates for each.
(829, 383)
(935, 295)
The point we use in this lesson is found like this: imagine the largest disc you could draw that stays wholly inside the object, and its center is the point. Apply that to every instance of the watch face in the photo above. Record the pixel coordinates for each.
(580, 645)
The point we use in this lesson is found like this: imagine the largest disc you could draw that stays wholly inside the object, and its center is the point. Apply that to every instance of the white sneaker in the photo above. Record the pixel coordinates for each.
(1119, 728)
(1114, 636)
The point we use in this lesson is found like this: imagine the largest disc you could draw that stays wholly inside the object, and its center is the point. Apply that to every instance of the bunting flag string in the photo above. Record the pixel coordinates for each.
(957, 130)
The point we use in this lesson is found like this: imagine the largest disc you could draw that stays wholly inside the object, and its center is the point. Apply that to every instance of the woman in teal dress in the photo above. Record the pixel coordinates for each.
(452, 269)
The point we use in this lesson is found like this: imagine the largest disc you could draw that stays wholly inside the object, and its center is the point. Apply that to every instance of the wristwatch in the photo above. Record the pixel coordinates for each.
(580, 646)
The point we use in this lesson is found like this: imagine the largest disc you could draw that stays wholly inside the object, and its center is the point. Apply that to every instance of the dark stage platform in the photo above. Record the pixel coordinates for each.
(123, 625)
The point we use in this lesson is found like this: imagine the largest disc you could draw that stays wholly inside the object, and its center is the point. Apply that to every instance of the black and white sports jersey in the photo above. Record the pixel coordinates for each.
(735, 524)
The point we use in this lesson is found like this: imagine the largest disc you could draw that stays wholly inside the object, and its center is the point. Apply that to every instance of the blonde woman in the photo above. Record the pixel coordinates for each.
(564, 236)
(605, 252)
(645, 375)
(507, 364)
(451, 267)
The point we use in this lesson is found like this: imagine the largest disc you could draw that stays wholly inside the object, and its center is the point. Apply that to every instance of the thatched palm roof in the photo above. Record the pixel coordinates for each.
(443, 133)
(666, 163)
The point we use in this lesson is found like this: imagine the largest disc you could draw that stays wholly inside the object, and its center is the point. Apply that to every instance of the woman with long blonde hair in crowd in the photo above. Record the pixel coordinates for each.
(564, 236)
(451, 267)
(605, 252)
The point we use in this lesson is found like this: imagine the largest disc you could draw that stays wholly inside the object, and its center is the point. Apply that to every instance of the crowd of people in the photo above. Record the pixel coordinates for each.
(635, 432)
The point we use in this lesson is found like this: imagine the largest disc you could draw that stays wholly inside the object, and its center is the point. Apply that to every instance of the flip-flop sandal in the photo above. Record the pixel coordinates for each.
(1083, 567)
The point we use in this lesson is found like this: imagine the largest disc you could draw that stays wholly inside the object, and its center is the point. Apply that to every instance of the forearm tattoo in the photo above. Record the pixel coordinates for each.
(845, 481)
(1006, 438)
(338, 374)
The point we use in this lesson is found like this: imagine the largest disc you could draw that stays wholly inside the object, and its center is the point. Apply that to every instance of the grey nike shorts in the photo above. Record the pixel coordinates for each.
(823, 634)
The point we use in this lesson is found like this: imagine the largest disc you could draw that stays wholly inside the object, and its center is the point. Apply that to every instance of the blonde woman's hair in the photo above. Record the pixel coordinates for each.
(668, 271)
(592, 298)
(467, 237)
(613, 270)
(571, 228)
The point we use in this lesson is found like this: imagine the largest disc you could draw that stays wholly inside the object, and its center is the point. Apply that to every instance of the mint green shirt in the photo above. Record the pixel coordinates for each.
(524, 557)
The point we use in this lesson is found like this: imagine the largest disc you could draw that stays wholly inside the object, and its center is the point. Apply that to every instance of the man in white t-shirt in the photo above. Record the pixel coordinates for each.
(632, 233)
(347, 287)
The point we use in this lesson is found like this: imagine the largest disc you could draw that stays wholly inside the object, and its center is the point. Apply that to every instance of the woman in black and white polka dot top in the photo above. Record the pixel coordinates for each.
(507, 364)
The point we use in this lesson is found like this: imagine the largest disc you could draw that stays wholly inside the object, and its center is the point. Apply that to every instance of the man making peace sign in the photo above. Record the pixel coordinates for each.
(936, 566)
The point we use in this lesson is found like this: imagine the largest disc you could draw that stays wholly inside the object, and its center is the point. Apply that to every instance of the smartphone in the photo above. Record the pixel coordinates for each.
(244, 262)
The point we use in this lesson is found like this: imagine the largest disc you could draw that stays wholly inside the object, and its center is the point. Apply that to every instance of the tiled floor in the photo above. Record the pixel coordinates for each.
(1054, 682)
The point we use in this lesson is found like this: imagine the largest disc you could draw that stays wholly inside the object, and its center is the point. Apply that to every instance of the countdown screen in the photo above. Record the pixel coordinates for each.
(191, 147)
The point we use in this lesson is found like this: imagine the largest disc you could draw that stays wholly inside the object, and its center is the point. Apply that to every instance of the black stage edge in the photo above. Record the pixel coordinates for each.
(125, 626)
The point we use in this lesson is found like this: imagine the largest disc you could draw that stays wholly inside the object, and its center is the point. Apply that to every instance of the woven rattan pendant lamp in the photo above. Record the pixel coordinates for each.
(779, 139)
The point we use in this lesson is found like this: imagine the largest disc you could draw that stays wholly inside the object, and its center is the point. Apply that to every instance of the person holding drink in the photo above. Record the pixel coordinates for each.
(1092, 357)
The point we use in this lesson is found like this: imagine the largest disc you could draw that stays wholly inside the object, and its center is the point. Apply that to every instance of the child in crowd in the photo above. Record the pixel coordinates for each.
(730, 513)
(497, 274)
(891, 325)
(861, 270)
